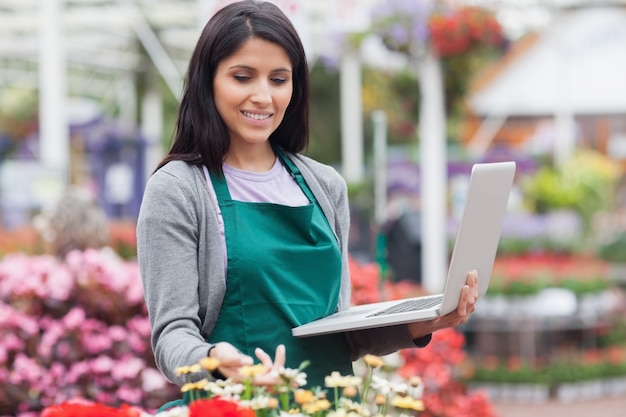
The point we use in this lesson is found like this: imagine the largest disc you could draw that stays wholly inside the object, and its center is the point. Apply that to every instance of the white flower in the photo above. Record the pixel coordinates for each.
(385, 387)
(225, 389)
(294, 376)
(260, 402)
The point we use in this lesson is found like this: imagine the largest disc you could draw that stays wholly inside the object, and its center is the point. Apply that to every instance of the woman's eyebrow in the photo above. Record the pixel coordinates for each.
(249, 68)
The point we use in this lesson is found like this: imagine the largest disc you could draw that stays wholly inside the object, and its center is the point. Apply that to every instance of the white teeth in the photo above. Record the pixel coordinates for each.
(256, 116)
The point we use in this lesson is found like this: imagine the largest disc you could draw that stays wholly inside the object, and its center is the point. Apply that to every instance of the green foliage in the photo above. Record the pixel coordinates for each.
(524, 374)
(615, 250)
(460, 69)
(396, 93)
(585, 183)
(553, 374)
(520, 246)
(325, 116)
(501, 286)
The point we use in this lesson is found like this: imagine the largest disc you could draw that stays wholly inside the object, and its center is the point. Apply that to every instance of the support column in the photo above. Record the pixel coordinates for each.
(351, 118)
(152, 124)
(433, 173)
(379, 119)
(53, 115)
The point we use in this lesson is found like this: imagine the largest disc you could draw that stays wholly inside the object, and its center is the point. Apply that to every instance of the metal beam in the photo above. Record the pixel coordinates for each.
(155, 50)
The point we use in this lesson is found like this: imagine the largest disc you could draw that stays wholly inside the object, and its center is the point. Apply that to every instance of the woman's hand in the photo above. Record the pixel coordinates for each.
(272, 374)
(231, 360)
(467, 304)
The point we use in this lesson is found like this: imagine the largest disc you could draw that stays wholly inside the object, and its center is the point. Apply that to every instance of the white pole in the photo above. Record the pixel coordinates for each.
(126, 98)
(53, 116)
(379, 119)
(152, 126)
(433, 170)
(351, 118)
(564, 119)
(150, 41)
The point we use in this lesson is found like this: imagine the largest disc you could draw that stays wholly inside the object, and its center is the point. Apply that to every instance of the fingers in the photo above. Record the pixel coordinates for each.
(263, 357)
(462, 308)
(272, 376)
(467, 304)
(280, 357)
(472, 281)
(228, 355)
(230, 359)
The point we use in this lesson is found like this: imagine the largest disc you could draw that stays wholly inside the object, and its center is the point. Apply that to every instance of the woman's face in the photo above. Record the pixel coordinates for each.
(252, 90)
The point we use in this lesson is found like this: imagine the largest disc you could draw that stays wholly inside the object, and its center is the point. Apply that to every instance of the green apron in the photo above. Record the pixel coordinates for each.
(284, 270)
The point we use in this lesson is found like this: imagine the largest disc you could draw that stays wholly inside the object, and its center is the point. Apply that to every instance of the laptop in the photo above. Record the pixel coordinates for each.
(475, 247)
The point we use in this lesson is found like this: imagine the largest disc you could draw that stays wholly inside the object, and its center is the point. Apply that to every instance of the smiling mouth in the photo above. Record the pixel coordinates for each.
(256, 116)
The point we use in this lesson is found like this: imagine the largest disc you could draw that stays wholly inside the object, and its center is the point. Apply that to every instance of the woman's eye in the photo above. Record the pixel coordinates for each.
(241, 78)
(279, 80)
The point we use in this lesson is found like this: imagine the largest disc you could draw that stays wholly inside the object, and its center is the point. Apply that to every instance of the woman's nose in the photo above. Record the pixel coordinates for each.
(261, 94)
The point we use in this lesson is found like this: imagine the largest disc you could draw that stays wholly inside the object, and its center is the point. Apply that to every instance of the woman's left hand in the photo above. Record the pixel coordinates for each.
(273, 367)
(467, 304)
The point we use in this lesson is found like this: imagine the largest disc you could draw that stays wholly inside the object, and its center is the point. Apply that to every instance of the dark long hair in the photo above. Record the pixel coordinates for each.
(201, 137)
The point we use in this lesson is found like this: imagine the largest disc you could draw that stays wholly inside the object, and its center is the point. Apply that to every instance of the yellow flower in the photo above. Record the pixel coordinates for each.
(194, 385)
(415, 381)
(350, 392)
(336, 380)
(272, 403)
(187, 387)
(252, 371)
(303, 396)
(316, 406)
(407, 403)
(183, 370)
(380, 399)
(373, 361)
(210, 364)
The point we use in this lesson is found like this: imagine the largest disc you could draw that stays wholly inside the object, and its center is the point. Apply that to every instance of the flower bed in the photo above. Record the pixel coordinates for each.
(581, 376)
(378, 391)
(74, 329)
(78, 329)
(533, 334)
(530, 273)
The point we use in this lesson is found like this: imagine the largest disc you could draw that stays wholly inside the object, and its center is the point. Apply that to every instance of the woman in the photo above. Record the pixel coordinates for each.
(240, 237)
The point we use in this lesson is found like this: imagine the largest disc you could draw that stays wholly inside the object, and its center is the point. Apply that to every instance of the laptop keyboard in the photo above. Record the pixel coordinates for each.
(410, 305)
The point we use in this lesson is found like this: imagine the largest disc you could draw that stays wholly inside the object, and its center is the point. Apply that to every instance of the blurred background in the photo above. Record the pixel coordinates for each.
(405, 97)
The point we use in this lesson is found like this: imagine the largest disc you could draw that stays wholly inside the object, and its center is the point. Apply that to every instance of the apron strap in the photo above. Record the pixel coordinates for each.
(221, 189)
(295, 172)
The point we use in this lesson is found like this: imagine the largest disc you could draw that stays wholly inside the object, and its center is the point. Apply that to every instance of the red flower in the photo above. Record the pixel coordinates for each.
(456, 32)
(217, 407)
(365, 279)
(79, 408)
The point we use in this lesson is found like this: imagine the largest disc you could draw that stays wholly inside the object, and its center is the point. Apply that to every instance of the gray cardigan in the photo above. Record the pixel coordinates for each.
(181, 260)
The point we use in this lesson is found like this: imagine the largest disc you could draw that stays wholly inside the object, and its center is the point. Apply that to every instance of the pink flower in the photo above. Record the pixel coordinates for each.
(118, 333)
(25, 370)
(129, 395)
(129, 367)
(74, 318)
(152, 380)
(102, 364)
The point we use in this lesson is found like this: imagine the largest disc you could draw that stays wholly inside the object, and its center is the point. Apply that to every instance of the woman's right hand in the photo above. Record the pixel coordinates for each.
(231, 360)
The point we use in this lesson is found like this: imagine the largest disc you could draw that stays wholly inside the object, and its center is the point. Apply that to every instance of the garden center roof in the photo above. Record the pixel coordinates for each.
(103, 40)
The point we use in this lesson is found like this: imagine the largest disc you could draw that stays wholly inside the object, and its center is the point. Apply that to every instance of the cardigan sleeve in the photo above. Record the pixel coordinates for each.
(167, 241)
